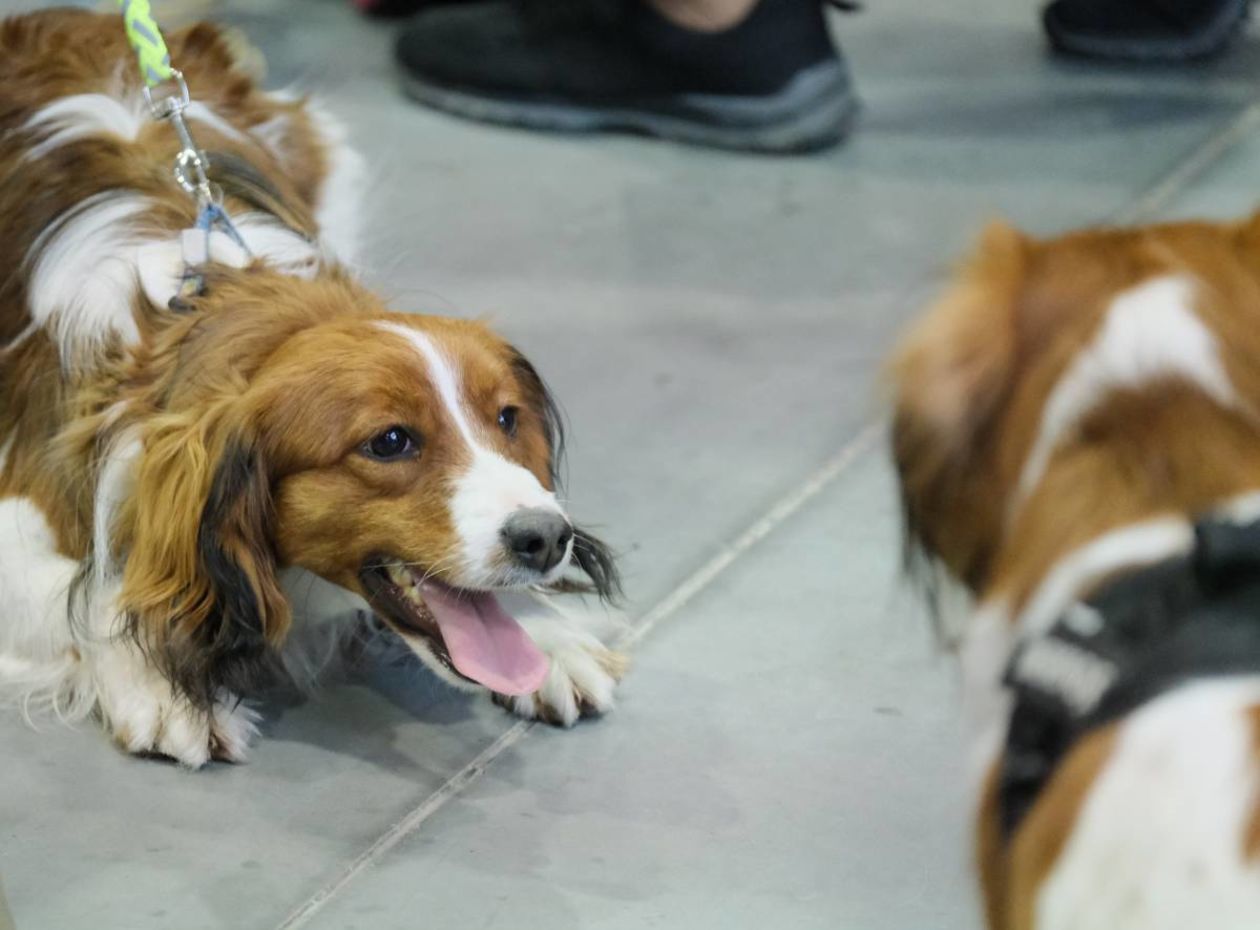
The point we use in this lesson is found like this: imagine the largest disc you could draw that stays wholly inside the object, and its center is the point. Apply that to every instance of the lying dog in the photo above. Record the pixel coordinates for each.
(1078, 442)
(166, 450)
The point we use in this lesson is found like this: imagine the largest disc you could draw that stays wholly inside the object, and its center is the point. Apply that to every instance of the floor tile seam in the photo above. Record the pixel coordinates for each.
(1218, 144)
(865, 441)
(1184, 173)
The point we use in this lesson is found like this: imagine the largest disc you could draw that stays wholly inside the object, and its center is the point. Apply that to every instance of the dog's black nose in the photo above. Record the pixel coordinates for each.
(537, 538)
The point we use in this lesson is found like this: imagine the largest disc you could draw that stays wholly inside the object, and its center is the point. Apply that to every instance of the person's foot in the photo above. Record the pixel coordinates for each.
(775, 82)
(1143, 30)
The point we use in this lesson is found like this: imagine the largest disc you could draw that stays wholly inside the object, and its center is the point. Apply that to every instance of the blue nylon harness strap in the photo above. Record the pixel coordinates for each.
(1187, 618)
(193, 283)
(211, 216)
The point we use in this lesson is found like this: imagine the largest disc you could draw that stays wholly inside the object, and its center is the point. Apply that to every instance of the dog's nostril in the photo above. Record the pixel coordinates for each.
(537, 538)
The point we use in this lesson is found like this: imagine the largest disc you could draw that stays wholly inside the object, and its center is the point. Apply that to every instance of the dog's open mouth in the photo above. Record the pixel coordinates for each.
(466, 630)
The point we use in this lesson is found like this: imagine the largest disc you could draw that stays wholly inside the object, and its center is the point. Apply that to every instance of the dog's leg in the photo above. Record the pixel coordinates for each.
(141, 709)
(39, 660)
(144, 714)
(584, 672)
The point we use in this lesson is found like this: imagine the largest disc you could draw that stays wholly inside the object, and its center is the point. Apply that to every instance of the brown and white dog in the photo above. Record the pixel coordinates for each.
(172, 465)
(1077, 433)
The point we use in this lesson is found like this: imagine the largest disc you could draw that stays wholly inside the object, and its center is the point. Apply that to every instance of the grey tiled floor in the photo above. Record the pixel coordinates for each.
(787, 752)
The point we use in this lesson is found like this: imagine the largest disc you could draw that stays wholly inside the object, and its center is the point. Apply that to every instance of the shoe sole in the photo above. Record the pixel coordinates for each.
(814, 111)
(1208, 41)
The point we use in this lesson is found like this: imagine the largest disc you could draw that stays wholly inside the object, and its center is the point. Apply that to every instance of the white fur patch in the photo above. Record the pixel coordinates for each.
(490, 490)
(144, 714)
(338, 208)
(38, 663)
(278, 246)
(1159, 842)
(113, 486)
(271, 134)
(583, 674)
(83, 282)
(1245, 508)
(1150, 332)
(80, 116)
(1130, 546)
(984, 652)
(160, 264)
(199, 112)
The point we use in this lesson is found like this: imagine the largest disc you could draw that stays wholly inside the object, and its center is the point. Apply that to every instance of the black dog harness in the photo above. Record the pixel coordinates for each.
(1190, 617)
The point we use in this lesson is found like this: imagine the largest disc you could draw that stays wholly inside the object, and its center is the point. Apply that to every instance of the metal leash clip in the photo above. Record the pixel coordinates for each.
(191, 163)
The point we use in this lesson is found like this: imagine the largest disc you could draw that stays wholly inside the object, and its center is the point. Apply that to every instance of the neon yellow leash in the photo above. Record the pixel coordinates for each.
(147, 42)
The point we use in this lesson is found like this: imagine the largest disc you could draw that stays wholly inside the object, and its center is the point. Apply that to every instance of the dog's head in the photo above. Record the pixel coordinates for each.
(410, 459)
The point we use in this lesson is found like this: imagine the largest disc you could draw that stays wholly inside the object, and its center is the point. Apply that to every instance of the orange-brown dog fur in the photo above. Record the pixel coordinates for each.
(251, 401)
(972, 378)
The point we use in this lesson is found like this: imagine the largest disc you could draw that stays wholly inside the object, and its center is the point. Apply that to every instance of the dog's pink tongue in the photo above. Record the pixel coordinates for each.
(485, 643)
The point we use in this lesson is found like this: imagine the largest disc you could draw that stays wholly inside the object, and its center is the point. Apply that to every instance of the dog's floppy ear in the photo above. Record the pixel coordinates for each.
(544, 406)
(590, 554)
(200, 588)
(951, 376)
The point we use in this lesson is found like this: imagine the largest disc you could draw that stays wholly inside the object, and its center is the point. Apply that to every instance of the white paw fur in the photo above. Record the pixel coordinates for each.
(583, 676)
(144, 714)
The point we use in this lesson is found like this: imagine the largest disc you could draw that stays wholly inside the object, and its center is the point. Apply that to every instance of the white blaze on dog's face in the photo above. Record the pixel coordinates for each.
(415, 465)
(510, 528)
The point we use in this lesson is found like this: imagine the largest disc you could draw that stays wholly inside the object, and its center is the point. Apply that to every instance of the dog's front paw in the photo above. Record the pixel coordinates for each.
(233, 728)
(584, 673)
(145, 716)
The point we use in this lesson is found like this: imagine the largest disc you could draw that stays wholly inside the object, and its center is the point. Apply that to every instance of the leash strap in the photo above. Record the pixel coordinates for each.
(191, 163)
(146, 40)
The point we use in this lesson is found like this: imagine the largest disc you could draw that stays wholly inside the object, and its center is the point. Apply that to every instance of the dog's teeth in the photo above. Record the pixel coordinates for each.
(405, 582)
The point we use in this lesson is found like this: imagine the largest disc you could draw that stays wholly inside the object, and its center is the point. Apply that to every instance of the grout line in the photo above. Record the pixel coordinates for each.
(1178, 179)
(781, 511)
(403, 828)
(697, 582)
(1182, 175)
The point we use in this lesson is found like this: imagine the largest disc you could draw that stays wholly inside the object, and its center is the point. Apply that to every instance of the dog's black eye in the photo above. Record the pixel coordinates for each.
(507, 420)
(395, 443)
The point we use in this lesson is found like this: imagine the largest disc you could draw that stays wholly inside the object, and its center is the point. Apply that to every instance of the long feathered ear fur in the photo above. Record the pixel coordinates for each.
(200, 589)
(590, 554)
(951, 374)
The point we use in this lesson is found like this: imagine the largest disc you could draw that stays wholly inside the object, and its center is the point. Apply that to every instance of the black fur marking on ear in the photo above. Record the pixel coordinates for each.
(552, 415)
(596, 560)
(229, 650)
(590, 554)
(238, 655)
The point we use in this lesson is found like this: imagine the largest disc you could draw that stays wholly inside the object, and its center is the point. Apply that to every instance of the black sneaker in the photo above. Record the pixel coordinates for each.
(1144, 30)
(396, 9)
(773, 83)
